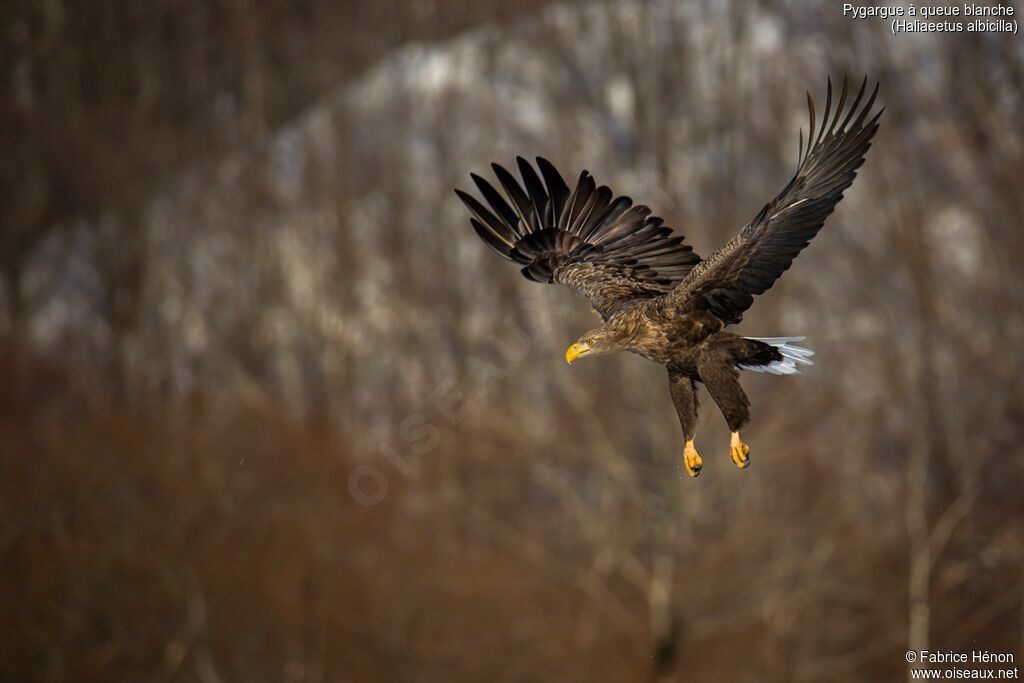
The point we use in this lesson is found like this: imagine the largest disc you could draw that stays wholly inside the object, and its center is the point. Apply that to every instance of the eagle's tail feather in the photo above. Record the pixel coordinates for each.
(792, 355)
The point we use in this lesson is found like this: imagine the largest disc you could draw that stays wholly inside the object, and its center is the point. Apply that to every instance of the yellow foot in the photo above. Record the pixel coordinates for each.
(738, 451)
(691, 459)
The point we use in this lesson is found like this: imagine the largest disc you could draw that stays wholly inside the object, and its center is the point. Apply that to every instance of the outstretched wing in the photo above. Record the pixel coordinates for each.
(612, 252)
(749, 264)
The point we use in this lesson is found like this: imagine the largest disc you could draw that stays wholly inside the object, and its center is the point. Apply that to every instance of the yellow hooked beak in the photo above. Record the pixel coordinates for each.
(574, 352)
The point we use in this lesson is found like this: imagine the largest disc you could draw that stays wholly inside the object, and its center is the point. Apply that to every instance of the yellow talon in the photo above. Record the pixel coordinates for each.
(691, 459)
(738, 451)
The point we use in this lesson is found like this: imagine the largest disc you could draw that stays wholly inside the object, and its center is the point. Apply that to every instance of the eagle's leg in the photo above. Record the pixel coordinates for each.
(720, 376)
(684, 397)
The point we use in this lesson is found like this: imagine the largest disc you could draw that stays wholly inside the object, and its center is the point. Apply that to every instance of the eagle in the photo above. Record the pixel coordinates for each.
(655, 296)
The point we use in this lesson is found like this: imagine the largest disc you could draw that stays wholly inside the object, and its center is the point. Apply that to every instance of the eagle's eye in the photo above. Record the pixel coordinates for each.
(590, 342)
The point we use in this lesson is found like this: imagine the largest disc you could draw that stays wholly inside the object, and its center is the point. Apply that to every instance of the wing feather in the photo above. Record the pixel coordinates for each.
(507, 214)
(607, 248)
(535, 189)
(558, 191)
(488, 221)
(520, 202)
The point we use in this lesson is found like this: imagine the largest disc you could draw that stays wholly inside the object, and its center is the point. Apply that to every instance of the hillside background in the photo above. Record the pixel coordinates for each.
(271, 412)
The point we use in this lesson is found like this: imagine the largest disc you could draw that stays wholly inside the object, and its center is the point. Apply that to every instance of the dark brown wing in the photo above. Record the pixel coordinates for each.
(749, 264)
(611, 251)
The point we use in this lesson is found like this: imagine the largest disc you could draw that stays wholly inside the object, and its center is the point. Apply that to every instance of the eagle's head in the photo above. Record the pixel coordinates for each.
(595, 343)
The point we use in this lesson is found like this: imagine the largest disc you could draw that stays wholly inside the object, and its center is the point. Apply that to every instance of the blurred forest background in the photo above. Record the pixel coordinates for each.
(271, 412)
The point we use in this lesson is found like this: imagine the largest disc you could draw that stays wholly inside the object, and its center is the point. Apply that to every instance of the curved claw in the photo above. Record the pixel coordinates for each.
(738, 451)
(691, 460)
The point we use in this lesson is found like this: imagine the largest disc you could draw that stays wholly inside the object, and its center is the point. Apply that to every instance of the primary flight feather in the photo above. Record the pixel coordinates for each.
(656, 297)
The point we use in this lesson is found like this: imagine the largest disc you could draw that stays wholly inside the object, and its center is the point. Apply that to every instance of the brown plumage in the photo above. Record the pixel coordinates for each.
(656, 297)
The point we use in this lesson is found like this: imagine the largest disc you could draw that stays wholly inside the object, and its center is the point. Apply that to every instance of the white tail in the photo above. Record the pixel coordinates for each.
(791, 355)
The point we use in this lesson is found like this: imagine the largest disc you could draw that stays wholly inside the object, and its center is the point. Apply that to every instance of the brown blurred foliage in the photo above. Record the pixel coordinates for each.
(273, 413)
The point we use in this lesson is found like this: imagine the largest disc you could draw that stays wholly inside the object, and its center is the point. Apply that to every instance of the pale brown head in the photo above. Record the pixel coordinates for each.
(596, 342)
